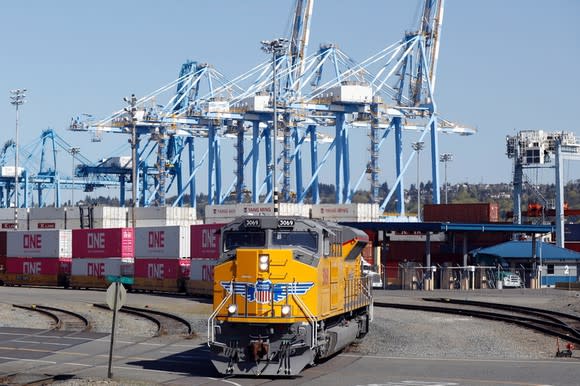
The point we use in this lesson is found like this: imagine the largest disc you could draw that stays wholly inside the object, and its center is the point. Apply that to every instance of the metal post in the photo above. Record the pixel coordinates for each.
(132, 111)
(275, 47)
(16, 99)
(418, 146)
(73, 151)
(445, 158)
(109, 372)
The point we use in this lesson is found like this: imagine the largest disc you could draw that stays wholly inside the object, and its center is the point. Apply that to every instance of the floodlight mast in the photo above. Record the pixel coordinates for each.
(16, 99)
(276, 47)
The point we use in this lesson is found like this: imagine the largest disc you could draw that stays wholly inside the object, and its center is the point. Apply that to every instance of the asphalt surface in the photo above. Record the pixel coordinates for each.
(142, 359)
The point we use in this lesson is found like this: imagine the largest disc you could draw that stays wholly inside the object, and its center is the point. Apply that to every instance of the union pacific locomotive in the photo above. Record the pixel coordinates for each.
(287, 292)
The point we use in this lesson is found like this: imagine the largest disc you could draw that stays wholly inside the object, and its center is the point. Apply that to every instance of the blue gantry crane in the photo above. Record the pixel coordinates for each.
(389, 92)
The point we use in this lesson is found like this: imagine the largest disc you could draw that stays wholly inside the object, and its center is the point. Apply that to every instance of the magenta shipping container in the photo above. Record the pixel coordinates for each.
(205, 241)
(38, 265)
(162, 268)
(102, 243)
(162, 242)
(39, 243)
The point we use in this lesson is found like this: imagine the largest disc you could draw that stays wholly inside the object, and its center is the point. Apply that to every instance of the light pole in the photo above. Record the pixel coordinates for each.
(276, 47)
(446, 157)
(418, 146)
(16, 99)
(73, 151)
(132, 110)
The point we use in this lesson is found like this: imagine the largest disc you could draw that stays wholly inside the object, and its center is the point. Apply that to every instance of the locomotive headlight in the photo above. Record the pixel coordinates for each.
(232, 309)
(264, 263)
(286, 310)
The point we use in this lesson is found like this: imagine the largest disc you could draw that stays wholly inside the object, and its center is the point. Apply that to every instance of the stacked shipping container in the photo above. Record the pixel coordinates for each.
(162, 258)
(38, 257)
(205, 251)
(98, 253)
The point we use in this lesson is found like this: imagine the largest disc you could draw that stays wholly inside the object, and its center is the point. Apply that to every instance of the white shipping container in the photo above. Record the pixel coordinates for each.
(165, 216)
(99, 268)
(8, 213)
(254, 103)
(228, 212)
(346, 212)
(220, 211)
(39, 243)
(350, 93)
(202, 269)
(8, 171)
(162, 242)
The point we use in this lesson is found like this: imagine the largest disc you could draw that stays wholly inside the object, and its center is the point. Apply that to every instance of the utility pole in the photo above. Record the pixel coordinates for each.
(16, 99)
(445, 158)
(73, 151)
(132, 110)
(418, 146)
(276, 47)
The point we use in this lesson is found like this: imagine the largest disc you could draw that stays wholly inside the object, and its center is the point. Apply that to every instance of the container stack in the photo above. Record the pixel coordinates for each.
(221, 214)
(162, 258)
(205, 252)
(41, 257)
(98, 253)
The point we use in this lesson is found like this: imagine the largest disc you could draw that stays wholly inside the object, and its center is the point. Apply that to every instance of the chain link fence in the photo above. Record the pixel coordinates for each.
(412, 277)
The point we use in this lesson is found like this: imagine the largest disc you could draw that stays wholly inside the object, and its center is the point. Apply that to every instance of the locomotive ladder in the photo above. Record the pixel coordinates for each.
(310, 316)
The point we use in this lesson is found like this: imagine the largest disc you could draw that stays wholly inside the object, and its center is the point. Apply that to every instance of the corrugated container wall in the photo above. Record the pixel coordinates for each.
(163, 242)
(346, 212)
(227, 213)
(45, 243)
(462, 213)
(110, 242)
(205, 241)
(100, 268)
(166, 215)
(38, 265)
(161, 269)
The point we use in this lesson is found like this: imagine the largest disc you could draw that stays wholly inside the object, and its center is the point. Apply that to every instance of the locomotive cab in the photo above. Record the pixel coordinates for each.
(287, 291)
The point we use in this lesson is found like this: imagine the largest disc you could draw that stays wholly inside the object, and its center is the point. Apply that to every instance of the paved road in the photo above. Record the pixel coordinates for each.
(174, 360)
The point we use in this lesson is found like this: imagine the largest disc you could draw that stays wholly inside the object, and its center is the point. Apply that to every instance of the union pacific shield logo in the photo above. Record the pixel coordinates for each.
(264, 291)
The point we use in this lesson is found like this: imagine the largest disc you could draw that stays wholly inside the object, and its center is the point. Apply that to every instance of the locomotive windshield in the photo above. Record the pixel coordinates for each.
(239, 239)
(308, 240)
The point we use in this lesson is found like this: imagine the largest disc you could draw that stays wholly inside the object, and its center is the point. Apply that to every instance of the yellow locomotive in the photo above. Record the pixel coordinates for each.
(287, 292)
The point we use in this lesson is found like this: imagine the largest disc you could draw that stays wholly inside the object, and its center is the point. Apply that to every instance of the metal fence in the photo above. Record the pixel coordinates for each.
(416, 277)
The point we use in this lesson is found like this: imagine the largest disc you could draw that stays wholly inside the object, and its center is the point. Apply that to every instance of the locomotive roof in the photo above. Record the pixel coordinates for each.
(346, 233)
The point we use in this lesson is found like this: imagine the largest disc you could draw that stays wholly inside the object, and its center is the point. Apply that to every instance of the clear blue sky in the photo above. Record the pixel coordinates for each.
(504, 66)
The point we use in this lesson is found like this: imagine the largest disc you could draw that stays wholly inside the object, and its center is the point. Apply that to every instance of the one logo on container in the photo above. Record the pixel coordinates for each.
(32, 241)
(156, 240)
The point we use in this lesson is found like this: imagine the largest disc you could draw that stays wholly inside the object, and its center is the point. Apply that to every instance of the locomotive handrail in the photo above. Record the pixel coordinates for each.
(211, 319)
(310, 316)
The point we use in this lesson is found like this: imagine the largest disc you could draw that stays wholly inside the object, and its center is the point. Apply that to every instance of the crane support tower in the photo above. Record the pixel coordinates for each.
(533, 149)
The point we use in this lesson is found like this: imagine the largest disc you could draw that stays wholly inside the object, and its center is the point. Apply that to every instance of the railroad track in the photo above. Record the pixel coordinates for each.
(64, 320)
(551, 323)
(167, 324)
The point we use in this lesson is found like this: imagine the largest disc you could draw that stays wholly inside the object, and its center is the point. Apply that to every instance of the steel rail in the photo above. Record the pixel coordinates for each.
(551, 328)
(51, 312)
